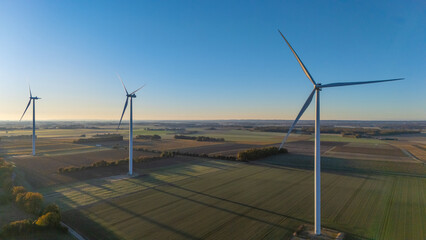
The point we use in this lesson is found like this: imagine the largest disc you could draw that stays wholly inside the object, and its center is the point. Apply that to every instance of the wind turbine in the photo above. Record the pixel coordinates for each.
(131, 96)
(33, 99)
(317, 88)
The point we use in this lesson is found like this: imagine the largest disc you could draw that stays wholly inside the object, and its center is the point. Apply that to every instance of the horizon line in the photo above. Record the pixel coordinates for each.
(230, 119)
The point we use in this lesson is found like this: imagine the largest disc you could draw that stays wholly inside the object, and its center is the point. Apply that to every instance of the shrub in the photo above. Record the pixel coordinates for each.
(18, 227)
(101, 163)
(18, 189)
(167, 154)
(33, 202)
(51, 208)
(19, 199)
(50, 219)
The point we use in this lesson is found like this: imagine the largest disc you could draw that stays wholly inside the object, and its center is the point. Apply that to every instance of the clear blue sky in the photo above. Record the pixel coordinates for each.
(211, 59)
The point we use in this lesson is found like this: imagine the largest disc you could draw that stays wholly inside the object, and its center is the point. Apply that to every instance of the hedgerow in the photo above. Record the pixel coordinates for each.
(258, 153)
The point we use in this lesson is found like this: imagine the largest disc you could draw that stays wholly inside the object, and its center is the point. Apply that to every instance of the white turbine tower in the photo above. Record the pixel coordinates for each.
(33, 99)
(131, 96)
(317, 165)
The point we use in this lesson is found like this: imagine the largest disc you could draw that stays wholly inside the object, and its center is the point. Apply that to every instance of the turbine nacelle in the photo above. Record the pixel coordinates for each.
(128, 95)
(29, 103)
(318, 86)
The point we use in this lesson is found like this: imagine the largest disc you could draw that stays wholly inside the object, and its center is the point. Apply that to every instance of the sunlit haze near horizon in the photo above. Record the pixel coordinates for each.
(208, 60)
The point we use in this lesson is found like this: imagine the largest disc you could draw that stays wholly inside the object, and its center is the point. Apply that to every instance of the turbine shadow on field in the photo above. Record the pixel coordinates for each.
(127, 211)
(238, 214)
(235, 202)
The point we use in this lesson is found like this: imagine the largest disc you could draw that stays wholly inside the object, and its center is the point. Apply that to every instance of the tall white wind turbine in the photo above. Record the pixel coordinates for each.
(131, 96)
(31, 99)
(317, 88)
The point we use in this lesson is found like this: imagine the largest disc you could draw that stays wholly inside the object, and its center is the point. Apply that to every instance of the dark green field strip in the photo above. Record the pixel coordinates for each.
(406, 208)
(334, 204)
(348, 166)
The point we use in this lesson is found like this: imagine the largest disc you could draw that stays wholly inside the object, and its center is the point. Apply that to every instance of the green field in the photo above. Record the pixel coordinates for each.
(227, 200)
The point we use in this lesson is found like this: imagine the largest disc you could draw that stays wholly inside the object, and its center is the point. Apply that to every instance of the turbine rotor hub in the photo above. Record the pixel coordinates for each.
(318, 86)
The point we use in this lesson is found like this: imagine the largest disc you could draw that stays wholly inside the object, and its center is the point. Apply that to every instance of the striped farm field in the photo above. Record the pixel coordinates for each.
(44, 146)
(212, 199)
(170, 144)
(244, 136)
(416, 150)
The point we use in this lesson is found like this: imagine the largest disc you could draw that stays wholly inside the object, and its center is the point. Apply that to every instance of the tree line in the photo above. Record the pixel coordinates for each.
(103, 163)
(259, 153)
(200, 138)
(100, 138)
(360, 132)
(149, 137)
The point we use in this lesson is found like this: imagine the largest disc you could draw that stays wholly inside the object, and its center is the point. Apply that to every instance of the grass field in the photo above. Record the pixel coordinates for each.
(44, 146)
(227, 200)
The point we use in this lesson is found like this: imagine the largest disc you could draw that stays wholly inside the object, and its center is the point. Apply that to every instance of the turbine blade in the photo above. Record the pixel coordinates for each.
(124, 110)
(357, 83)
(25, 110)
(138, 89)
(305, 106)
(298, 59)
(122, 83)
(30, 90)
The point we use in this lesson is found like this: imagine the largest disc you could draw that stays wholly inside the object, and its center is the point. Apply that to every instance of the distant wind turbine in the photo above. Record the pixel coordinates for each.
(131, 96)
(317, 88)
(33, 99)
